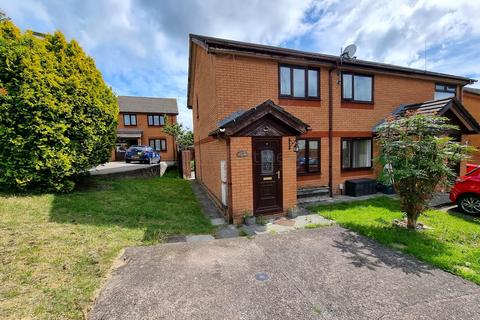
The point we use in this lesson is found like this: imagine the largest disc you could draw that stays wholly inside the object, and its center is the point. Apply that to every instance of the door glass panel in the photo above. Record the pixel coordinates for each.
(266, 158)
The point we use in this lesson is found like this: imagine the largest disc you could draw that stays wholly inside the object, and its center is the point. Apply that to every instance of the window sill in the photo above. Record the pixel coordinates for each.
(356, 172)
(299, 98)
(300, 102)
(357, 105)
(302, 174)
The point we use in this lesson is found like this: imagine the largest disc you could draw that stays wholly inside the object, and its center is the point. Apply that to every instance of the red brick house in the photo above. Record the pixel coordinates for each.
(272, 124)
(140, 122)
(471, 100)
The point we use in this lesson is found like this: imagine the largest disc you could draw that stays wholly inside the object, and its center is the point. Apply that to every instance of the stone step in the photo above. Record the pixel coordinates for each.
(312, 192)
(305, 201)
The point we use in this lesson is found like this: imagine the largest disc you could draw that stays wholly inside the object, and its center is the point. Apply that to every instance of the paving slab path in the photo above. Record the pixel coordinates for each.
(323, 273)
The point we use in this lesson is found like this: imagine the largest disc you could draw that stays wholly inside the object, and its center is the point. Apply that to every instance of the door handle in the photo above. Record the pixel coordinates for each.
(278, 174)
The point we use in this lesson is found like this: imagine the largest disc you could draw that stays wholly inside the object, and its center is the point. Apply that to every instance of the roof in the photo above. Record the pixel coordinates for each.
(239, 122)
(433, 107)
(439, 108)
(212, 44)
(472, 90)
(148, 105)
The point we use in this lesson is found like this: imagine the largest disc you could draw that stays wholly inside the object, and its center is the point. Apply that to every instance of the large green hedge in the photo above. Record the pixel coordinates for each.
(57, 116)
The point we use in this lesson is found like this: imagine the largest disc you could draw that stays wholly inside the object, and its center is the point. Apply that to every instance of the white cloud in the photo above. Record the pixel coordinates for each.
(395, 31)
(142, 46)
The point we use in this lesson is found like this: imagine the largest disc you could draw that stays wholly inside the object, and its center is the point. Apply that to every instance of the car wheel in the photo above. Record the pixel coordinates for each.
(127, 161)
(470, 204)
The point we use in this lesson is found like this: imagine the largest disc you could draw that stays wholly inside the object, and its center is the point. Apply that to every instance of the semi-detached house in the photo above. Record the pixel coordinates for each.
(141, 121)
(270, 122)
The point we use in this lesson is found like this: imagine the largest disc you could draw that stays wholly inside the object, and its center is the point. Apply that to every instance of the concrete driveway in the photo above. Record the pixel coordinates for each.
(325, 273)
(117, 167)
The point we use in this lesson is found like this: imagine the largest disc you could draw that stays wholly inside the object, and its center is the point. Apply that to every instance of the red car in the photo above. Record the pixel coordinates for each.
(466, 192)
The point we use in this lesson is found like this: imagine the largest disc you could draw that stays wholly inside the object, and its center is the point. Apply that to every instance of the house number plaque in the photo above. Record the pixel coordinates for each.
(242, 154)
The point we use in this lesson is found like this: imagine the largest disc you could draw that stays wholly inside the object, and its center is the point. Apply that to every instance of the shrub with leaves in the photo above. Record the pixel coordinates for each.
(418, 156)
(182, 136)
(58, 117)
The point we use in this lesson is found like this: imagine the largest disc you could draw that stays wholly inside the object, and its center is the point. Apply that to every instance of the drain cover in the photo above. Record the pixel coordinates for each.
(262, 276)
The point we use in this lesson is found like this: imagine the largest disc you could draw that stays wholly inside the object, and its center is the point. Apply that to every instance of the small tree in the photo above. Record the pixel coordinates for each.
(182, 136)
(417, 157)
(58, 117)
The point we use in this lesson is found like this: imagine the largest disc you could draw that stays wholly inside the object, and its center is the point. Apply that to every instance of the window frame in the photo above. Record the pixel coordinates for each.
(160, 116)
(291, 95)
(307, 156)
(352, 99)
(445, 89)
(160, 143)
(130, 115)
(351, 154)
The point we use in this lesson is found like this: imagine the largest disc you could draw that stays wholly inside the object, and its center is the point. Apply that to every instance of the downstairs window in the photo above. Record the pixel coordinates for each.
(308, 156)
(158, 144)
(356, 153)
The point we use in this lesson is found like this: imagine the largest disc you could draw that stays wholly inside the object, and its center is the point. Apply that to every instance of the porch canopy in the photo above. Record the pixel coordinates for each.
(129, 133)
(266, 119)
(450, 108)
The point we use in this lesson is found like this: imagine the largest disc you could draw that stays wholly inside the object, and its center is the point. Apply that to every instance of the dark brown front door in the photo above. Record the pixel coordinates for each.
(267, 174)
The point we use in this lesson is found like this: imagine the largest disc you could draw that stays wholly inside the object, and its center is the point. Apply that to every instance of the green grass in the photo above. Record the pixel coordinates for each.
(452, 245)
(55, 250)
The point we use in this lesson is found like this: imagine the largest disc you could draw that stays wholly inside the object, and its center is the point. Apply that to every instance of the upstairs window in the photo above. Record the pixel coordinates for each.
(299, 82)
(308, 156)
(156, 120)
(357, 87)
(444, 91)
(130, 119)
(356, 153)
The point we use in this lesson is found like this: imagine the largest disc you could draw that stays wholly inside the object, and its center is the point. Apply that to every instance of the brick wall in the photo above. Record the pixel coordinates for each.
(241, 178)
(204, 105)
(151, 132)
(207, 160)
(208, 152)
(472, 103)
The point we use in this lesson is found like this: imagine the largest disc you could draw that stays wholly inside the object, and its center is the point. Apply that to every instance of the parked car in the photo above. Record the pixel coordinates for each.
(144, 154)
(466, 192)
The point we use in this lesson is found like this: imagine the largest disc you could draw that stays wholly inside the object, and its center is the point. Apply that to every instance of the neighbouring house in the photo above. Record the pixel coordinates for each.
(471, 100)
(275, 125)
(140, 122)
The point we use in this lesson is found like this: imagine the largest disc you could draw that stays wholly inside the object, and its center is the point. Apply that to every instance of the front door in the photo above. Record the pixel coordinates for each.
(267, 174)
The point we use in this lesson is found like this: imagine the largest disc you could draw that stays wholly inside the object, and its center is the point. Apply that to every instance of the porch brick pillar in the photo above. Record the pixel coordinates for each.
(241, 177)
(289, 175)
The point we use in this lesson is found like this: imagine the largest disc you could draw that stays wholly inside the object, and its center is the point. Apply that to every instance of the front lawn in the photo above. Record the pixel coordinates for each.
(452, 245)
(55, 250)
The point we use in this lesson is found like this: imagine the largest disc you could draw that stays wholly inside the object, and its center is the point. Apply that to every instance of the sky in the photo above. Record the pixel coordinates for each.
(141, 46)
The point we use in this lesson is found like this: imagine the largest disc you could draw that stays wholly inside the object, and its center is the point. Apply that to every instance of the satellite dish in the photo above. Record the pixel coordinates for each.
(349, 51)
